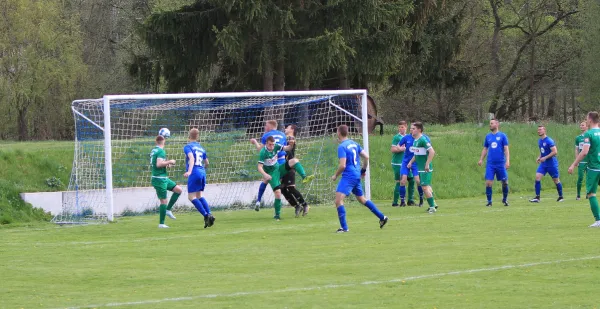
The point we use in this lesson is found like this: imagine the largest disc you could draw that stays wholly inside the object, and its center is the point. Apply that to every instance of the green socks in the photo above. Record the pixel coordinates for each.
(396, 192)
(173, 200)
(594, 207)
(163, 213)
(300, 169)
(277, 207)
(411, 189)
(430, 202)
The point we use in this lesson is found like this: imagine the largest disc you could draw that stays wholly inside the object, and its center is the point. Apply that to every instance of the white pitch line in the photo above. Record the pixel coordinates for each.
(334, 286)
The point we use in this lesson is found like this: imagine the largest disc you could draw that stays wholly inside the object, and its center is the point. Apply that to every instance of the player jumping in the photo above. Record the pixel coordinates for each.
(591, 154)
(397, 157)
(423, 155)
(581, 168)
(288, 179)
(349, 154)
(196, 161)
(161, 181)
(548, 165)
(496, 146)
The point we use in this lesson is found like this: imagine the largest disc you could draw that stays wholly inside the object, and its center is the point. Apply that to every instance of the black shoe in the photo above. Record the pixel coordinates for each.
(560, 199)
(411, 203)
(535, 199)
(505, 203)
(206, 221)
(578, 198)
(211, 220)
(383, 222)
(421, 202)
(341, 230)
(402, 204)
(395, 205)
(298, 211)
(489, 204)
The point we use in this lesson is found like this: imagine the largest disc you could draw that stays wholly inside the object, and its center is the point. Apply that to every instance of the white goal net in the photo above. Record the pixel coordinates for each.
(115, 134)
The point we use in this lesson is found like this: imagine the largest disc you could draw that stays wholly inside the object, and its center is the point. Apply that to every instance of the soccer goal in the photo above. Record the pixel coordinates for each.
(114, 136)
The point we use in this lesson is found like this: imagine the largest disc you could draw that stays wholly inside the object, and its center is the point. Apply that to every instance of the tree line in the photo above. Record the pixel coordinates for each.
(439, 61)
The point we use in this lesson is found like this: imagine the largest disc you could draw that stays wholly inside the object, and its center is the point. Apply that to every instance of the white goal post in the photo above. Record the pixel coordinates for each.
(125, 126)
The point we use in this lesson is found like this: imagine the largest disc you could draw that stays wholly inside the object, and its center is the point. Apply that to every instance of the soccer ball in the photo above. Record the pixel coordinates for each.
(164, 132)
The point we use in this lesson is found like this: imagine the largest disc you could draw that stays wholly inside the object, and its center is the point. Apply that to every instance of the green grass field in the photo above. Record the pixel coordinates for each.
(464, 256)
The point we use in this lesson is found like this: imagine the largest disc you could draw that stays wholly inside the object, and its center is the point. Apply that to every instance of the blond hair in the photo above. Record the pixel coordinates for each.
(194, 134)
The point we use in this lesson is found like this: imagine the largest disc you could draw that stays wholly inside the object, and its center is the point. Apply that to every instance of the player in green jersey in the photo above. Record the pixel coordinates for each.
(161, 181)
(271, 170)
(423, 155)
(397, 157)
(582, 165)
(591, 154)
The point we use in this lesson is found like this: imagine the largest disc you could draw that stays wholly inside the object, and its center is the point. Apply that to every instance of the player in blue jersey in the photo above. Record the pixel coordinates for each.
(280, 139)
(196, 161)
(349, 155)
(548, 165)
(406, 173)
(495, 147)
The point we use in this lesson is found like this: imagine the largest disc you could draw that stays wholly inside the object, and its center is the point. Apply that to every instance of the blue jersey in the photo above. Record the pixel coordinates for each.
(199, 156)
(495, 145)
(545, 144)
(350, 150)
(280, 139)
(408, 141)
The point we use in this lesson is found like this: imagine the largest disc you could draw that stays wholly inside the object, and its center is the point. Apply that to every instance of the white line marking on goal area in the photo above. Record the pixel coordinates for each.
(335, 286)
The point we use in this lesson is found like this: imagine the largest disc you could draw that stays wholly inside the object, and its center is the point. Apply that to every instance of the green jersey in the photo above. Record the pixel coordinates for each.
(579, 145)
(158, 172)
(592, 138)
(420, 148)
(397, 157)
(269, 158)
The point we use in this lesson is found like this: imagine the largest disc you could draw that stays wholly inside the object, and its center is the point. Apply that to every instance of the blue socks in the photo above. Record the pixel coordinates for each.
(205, 205)
(504, 192)
(402, 192)
(199, 206)
(342, 216)
(559, 188)
(261, 191)
(374, 210)
(420, 192)
(538, 187)
(488, 193)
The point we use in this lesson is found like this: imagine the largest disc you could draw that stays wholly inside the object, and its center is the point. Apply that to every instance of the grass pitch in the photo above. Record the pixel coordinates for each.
(465, 256)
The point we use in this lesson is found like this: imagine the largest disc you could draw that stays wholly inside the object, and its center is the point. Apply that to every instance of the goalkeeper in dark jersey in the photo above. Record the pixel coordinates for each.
(288, 180)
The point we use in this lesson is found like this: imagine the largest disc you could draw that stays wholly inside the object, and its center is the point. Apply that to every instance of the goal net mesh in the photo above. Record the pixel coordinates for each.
(226, 125)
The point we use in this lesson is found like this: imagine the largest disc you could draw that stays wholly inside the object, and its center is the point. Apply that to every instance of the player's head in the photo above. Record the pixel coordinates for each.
(494, 124)
(592, 119)
(270, 125)
(194, 134)
(402, 127)
(416, 129)
(583, 126)
(160, 140)
(270, 143)
(290, 130)
(342, 132)
(541, 130)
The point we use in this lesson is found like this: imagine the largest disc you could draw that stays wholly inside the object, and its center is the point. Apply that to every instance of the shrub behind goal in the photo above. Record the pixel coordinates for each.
(115, 134)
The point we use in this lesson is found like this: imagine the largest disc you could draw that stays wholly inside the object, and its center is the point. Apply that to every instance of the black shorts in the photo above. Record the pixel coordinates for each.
(289, 179)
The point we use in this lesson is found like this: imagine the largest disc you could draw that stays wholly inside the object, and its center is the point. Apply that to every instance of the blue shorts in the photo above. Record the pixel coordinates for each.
(499, 171)
(550, 170)
(406, 171)
(346, 185)
(196, 182)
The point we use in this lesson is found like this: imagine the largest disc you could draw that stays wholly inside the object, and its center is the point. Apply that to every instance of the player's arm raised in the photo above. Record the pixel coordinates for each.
(580, 156)
(191, 162)
(256, 144)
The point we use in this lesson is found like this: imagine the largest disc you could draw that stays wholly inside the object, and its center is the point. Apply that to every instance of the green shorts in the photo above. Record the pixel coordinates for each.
(283, 170)
(275, 174)
(425, 179)
(161, 185)
(396, 169)
(591, 181)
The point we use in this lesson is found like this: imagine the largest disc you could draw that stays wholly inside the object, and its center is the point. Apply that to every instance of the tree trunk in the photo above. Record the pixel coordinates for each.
(279, 75)
(268, 75)
(442, 116)
(565, 106)
(552, 102)
(531, 79)
(22, 121)
(343, 78)
(541, 105)
(573, 108)
(495, 50)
